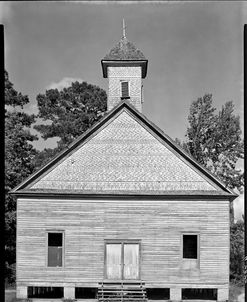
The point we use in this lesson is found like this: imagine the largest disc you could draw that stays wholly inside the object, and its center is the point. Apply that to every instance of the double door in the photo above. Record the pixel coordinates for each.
(122, 261)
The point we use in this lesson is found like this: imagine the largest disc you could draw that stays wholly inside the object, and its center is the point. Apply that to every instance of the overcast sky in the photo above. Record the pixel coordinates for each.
(192, 48)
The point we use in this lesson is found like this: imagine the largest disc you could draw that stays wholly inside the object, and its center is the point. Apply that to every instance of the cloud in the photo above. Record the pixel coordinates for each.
(31, 108)
(238, 205)
(65, 82)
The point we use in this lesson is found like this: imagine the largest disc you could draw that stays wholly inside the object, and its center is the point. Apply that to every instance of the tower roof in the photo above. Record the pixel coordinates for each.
(124, 50)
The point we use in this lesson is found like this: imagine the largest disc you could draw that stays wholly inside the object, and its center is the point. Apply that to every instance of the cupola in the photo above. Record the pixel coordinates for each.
(125, 66)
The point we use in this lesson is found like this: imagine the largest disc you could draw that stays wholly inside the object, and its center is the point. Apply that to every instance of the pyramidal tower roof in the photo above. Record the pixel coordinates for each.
(124, 50)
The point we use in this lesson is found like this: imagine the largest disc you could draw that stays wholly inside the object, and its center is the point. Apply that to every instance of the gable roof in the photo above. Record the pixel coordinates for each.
(124, 50)
(123, 154)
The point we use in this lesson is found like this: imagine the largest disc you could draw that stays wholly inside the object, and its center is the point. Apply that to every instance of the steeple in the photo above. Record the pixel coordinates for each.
(124, 29)
(125, 66)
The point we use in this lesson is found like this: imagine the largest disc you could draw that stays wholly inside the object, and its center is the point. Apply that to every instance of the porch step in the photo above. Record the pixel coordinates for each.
(122, 291)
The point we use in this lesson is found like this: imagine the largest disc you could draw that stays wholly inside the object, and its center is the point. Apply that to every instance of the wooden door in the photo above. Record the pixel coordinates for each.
(131, 261)
(113, 261)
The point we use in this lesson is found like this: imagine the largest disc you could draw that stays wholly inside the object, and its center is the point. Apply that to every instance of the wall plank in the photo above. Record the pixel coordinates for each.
(159, 225)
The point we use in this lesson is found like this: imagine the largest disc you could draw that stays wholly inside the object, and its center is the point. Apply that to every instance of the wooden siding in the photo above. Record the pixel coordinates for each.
(158, 224)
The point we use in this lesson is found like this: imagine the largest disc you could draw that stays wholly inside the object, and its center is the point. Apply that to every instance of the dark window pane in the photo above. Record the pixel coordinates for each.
(158, 293)
(85, 293)
(199, 294)
(190, 246)
(125, 89)
(55, 239)
(54, 256)
(45, 292)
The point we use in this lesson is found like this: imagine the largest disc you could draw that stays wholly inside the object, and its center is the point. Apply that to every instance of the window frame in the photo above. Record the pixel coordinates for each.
(196, 260)
(47, 248)
(122, 242)
(121, 91)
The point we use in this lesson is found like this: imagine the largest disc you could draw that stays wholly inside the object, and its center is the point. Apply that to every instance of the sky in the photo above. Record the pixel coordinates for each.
(192, 48)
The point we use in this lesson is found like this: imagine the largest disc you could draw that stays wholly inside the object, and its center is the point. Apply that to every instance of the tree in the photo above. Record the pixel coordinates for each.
(214, 140)
(237, 252)
(67, 114)
(19, 160)
(201, 126)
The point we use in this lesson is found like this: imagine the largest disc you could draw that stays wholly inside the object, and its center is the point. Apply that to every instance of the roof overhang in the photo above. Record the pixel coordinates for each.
(128, 63)
(172, 195)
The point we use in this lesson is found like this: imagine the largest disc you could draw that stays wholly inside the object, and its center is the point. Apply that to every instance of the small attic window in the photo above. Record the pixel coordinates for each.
(125, 90)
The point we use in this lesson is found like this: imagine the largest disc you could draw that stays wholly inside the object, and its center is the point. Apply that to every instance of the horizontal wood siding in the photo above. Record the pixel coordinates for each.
(158, 224)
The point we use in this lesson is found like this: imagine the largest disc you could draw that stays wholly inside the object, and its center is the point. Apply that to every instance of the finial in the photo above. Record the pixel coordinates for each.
(124, 29)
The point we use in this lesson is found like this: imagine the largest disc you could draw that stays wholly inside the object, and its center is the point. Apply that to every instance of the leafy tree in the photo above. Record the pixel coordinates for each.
(19, 160)
(67, 114)
(237, 252)
(201, 126)
(45, 155)
(214, 140)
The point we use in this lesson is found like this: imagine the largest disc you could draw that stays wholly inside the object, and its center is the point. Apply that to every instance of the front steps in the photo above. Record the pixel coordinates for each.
(122, 292)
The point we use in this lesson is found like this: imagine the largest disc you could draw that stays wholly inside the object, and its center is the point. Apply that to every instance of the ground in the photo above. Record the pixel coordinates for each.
(236, 294)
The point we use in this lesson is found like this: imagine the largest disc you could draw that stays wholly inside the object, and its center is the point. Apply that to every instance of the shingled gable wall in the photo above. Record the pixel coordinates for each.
(123, 156)
(130, 74)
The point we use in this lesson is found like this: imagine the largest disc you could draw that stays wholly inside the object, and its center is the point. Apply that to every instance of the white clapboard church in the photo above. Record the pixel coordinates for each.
(123, 214)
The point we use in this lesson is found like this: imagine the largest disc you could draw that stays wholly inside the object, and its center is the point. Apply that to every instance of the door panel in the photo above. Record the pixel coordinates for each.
(131, 261)
(113, 261)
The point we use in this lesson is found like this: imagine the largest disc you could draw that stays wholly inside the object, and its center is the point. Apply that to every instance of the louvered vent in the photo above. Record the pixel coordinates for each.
(125, 90)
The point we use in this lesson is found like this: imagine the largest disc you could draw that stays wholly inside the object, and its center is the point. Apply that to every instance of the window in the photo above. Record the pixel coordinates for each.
(45, 292)
(125, 90)
(190, 246)
(55, 249)
(86, 293)
(158, 293)
(199, 294)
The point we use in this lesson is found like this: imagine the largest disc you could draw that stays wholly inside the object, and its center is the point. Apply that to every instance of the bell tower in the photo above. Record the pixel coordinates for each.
(125, 67)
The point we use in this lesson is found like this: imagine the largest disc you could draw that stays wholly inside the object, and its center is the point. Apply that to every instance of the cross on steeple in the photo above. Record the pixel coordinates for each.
(124, 29)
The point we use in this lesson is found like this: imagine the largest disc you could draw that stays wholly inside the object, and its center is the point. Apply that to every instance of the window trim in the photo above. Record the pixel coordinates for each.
(121, 92)
(47, 248)
(183, 260)
(122, 242)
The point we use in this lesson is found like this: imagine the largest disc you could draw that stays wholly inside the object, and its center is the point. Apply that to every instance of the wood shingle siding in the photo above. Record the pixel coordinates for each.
(124, 156)
(158, 224)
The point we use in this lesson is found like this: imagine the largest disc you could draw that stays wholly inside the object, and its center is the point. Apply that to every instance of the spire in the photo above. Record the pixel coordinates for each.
(124, 36)
(124, 49)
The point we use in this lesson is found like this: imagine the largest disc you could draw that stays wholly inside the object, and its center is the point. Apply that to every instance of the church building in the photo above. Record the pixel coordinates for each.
(123, 214)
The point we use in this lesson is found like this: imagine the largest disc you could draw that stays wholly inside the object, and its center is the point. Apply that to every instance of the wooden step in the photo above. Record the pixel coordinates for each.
(121, 291)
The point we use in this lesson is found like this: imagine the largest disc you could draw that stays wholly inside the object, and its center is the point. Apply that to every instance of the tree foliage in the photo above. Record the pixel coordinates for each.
(19, 159)
(214, 140)
(237, 252)
(68, 113)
